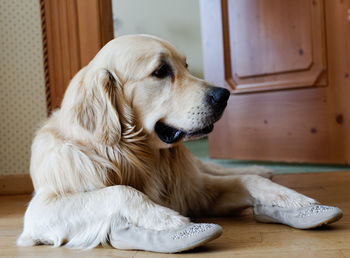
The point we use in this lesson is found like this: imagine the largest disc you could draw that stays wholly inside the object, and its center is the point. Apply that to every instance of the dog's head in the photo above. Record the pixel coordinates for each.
(147, 78)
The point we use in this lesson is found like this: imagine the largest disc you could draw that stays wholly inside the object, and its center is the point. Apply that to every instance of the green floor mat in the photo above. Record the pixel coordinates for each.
(200, 149)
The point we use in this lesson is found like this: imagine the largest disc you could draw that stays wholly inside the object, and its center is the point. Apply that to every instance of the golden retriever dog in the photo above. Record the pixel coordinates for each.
(114, 151)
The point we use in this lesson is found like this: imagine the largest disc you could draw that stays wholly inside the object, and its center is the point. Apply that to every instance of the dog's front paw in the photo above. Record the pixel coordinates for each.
(169, 219)
(259, 170)
(162, 218)
(286, 199)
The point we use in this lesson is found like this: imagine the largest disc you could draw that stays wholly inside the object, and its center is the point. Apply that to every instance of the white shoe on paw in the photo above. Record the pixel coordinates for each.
(303, 218)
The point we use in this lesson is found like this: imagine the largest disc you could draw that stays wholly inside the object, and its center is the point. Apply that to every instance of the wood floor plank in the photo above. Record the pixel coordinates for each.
(346, 253)
(242, 236)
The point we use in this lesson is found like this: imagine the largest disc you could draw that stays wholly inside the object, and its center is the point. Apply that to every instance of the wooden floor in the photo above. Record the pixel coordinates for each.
(242, 236)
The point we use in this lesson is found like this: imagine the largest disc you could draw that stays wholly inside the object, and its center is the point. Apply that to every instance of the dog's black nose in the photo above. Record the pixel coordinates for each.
(217, 97)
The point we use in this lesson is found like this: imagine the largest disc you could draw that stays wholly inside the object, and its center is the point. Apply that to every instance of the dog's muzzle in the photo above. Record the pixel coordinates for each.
(216, 98)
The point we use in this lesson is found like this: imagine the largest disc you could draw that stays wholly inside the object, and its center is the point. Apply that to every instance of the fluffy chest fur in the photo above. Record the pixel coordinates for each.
(168, 177)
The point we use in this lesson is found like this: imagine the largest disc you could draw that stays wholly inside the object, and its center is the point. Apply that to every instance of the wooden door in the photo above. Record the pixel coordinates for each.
(287, 65)
(73, 32)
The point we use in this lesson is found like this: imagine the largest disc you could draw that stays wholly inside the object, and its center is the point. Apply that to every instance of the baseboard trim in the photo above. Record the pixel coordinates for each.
(15, 184)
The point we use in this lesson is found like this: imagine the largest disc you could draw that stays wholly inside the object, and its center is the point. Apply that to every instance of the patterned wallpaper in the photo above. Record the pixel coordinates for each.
(22, 84)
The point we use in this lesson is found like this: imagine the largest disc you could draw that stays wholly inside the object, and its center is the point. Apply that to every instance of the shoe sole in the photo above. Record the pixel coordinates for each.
(200, 243)
(326, 222)
(267, 219)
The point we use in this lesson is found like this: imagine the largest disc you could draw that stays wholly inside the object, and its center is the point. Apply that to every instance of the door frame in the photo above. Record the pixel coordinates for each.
(73, 32)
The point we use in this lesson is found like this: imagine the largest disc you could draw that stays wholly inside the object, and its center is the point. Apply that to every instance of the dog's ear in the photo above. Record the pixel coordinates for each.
(97, 110)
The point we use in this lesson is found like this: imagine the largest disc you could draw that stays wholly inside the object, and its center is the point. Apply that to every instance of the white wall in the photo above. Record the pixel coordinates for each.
(176, 21)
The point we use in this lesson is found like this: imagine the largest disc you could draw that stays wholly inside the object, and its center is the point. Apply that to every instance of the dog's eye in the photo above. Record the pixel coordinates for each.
(162, 71)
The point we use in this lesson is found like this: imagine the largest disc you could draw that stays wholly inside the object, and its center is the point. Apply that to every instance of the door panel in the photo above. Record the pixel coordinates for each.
(289, 93)
(274, 44)
(270, 36)
(277, 126)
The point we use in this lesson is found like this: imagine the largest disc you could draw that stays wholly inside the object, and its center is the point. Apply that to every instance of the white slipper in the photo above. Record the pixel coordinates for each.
(165, 241)
(303, 218)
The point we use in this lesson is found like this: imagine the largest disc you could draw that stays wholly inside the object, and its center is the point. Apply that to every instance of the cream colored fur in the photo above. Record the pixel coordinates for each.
(97, 162)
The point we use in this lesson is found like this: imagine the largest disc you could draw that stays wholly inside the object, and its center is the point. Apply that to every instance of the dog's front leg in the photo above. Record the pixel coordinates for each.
(84, 220)
(271, 202)
(120, 215)
(240, 191)
(214, 169)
